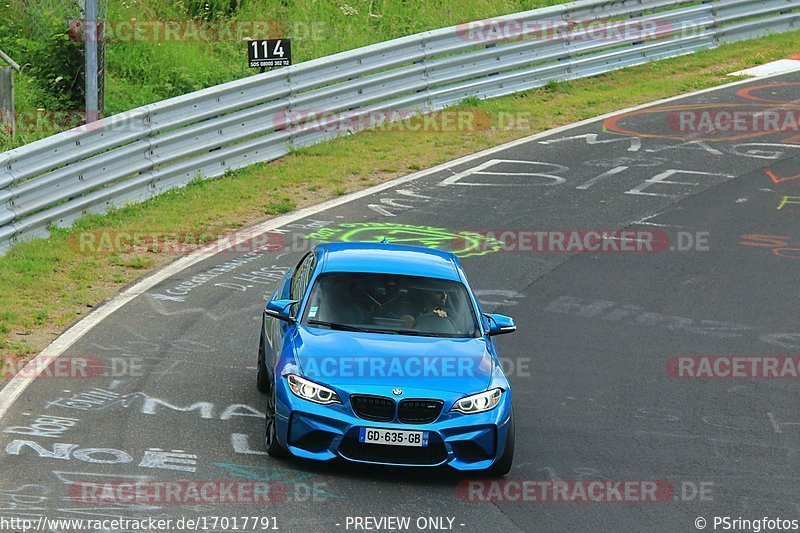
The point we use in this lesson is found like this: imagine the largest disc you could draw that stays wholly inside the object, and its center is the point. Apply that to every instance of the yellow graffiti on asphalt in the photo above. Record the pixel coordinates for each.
(789, 200)
(462, 243)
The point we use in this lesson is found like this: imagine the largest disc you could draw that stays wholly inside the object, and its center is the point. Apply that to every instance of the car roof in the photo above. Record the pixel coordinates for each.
(387, 258)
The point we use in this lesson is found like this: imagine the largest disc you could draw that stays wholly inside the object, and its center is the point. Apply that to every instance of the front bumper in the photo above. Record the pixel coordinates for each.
(326, 432)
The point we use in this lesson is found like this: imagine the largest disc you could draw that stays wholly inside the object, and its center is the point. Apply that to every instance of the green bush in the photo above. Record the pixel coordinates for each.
(56, 63)
(50, 57)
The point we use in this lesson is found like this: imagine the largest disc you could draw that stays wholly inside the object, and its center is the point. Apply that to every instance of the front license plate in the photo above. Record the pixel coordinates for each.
(393, 437)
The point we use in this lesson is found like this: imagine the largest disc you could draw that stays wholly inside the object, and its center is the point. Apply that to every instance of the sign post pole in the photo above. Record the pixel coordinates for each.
(7, 111)
(90, 35)
(7, 99)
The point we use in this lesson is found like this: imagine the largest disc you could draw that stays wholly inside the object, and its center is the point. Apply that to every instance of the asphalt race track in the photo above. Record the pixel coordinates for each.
(592, 365)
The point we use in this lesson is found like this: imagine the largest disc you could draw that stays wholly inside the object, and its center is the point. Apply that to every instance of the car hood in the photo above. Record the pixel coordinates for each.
(363, 362)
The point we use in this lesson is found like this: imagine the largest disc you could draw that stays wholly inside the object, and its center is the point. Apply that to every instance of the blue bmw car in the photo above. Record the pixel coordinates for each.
(380, 353)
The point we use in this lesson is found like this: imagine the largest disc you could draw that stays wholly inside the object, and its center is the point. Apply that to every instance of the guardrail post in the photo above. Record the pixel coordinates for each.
(429, 105)
(287, 114)
(713, 14)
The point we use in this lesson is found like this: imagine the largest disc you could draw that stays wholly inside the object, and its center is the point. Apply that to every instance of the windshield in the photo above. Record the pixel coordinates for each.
(392, 304)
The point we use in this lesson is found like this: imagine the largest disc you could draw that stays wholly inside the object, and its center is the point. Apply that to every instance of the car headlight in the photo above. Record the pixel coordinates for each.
(313, 392)
(478, 403)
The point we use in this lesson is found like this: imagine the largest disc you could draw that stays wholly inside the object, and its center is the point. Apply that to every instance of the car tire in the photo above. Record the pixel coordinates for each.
(503, 464)
(274, 448)
(263, 379)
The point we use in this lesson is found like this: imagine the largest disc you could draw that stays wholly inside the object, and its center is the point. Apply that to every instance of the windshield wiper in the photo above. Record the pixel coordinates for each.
(335, 325)
(347, 327)
(411, 332)
(423, 333)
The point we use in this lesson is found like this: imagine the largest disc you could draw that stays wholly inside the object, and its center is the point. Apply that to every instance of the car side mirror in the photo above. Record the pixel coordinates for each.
(280, 309)
(500, 324)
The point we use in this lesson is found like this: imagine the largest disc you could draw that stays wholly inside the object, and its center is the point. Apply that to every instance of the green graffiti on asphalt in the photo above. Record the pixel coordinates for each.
(462, 244)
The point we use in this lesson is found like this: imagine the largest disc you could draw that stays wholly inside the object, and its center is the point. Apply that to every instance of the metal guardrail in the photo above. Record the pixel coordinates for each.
(136, 155)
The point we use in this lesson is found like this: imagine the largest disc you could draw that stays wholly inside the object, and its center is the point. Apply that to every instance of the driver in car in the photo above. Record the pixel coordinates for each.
(433, 304)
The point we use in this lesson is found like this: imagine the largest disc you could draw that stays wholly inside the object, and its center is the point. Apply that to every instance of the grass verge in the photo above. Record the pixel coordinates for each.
(46, 284)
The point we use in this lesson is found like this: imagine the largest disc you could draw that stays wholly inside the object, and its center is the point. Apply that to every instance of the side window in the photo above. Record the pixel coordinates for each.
(309, 270)
(296, 277)
(301, 276)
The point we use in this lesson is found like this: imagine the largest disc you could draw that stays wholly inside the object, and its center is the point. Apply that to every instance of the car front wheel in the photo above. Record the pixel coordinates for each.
(274, 448)
(263, 379)
(503, 464)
